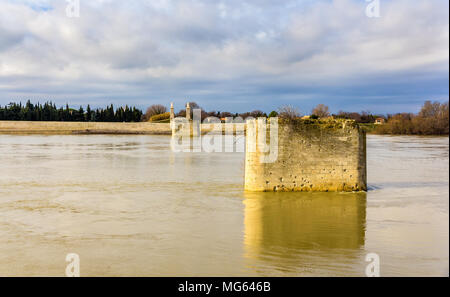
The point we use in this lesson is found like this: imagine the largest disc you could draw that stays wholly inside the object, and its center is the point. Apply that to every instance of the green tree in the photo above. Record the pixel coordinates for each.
(273, 114)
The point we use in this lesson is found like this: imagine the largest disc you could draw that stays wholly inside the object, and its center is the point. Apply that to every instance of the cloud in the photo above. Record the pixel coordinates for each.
(232, 55)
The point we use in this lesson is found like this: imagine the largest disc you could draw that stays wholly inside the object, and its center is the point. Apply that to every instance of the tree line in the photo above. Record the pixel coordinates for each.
(285, 111)
(433, 119)
(49, 112)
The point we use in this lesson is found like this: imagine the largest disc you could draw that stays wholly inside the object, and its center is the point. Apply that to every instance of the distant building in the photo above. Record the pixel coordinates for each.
(380, 121)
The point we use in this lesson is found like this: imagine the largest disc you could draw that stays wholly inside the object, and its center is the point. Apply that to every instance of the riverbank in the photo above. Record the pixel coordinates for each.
(86, 128)
(29, 127)
(114, 128)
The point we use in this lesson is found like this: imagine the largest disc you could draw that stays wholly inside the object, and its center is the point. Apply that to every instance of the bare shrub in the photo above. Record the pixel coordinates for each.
(288, 112)
(194, 105)
(154, 110)
(433, 119)
(258, 114)
(321, 110)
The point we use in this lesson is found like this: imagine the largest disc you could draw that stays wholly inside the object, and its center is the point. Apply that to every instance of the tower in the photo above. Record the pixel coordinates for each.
(188, 112)
(172, 112)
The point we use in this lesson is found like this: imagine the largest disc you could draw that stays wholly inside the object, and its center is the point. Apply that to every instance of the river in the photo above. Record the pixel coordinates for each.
(129, 206)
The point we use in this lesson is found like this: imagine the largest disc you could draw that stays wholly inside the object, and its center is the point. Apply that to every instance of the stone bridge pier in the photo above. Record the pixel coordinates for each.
(313, 156)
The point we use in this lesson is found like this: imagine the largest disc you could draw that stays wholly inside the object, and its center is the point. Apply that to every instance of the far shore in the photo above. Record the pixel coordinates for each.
(94, 128)
(120, 128)
(83, 128)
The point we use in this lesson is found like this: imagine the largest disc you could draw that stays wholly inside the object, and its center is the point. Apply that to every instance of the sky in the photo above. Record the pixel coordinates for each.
(230, 55)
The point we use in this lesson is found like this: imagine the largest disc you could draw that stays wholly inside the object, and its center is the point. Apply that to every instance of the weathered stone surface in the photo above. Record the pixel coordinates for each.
(313, 155)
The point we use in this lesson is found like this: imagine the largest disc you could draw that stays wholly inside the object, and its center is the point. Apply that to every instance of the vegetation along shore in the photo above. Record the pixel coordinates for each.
(432, 119)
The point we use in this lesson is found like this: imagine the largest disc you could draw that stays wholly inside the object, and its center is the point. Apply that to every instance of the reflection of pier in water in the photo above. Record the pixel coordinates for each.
(299, 227)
